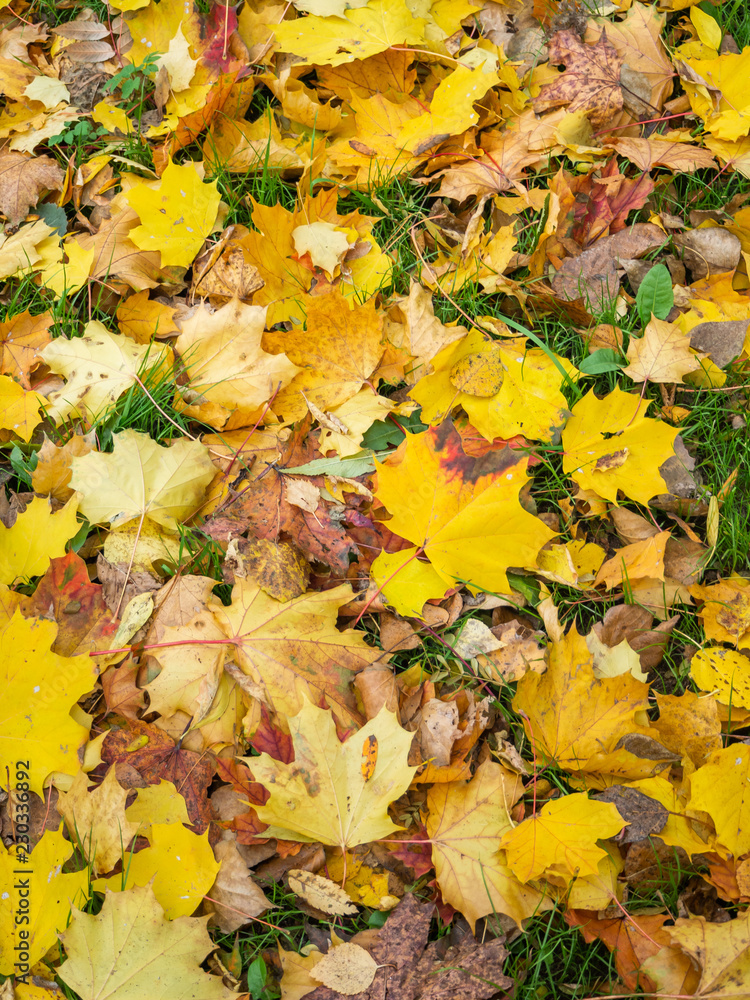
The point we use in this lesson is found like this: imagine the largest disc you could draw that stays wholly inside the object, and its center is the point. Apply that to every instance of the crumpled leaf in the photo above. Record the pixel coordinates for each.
(23, 180)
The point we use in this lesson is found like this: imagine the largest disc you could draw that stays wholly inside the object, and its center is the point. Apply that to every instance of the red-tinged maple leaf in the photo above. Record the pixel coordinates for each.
(415, 851)
(630, 939)
(246, 825)
(269, 739)
(591, 81)
(66, 595)
(160, 757)
(598, 203)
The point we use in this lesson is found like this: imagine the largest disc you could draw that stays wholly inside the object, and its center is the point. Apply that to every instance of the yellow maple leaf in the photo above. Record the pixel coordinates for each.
(142, 318)
(721, 951)
(360, 33)
(139, 478)
(293, 648)
(99, 367)
(19, 409)
(231, 376)
(726, 610)
(179, 865)
(725, 672)
(336, 354)
(462, 513)
(40, 688)
(67, 277)
(324, 796)
(717, 90)
(96, 820)
(177, 214)
(37, 536)
(719, 788)
(46, 908)
(576, 719)
(451, 109)
(527, 399)
(662, 354)
(128, 946)
(465, 821)
(561, 838)
(610, 444)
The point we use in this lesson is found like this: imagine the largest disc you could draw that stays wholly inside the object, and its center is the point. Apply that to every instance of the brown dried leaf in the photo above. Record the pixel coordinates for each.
(591, 81)
(23, 181)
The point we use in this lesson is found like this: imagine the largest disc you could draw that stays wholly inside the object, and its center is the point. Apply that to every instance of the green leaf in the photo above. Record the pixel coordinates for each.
(603, 360)
(256, 978)
(349, 468)
(655, 294)
(389, 433)
(54, 216)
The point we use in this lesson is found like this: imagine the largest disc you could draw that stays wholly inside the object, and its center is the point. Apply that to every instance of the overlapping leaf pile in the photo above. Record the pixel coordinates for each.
(301, 622)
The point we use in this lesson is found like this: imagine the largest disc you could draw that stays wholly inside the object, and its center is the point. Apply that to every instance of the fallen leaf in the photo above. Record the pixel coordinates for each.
(662, 355)
(561, 838)
(96, 820)
(320, 892)
(177, 214)
(38, 536)
(591, 81)
(230, 376)
(99, 367)
(346, 968)
(444, 502)
(51, 892)
(346, 809)
(292, 649)
(178, 866)
(611, 445)
(129, 945)
(41, 685)
(465, 822)
(23, 180)
(575, 718)
(141, 479)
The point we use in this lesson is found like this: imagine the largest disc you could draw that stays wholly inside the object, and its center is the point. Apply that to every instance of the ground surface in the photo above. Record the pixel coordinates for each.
(375, 532)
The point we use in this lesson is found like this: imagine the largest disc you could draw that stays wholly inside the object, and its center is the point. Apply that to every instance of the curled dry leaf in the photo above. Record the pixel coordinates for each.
(320, 892)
